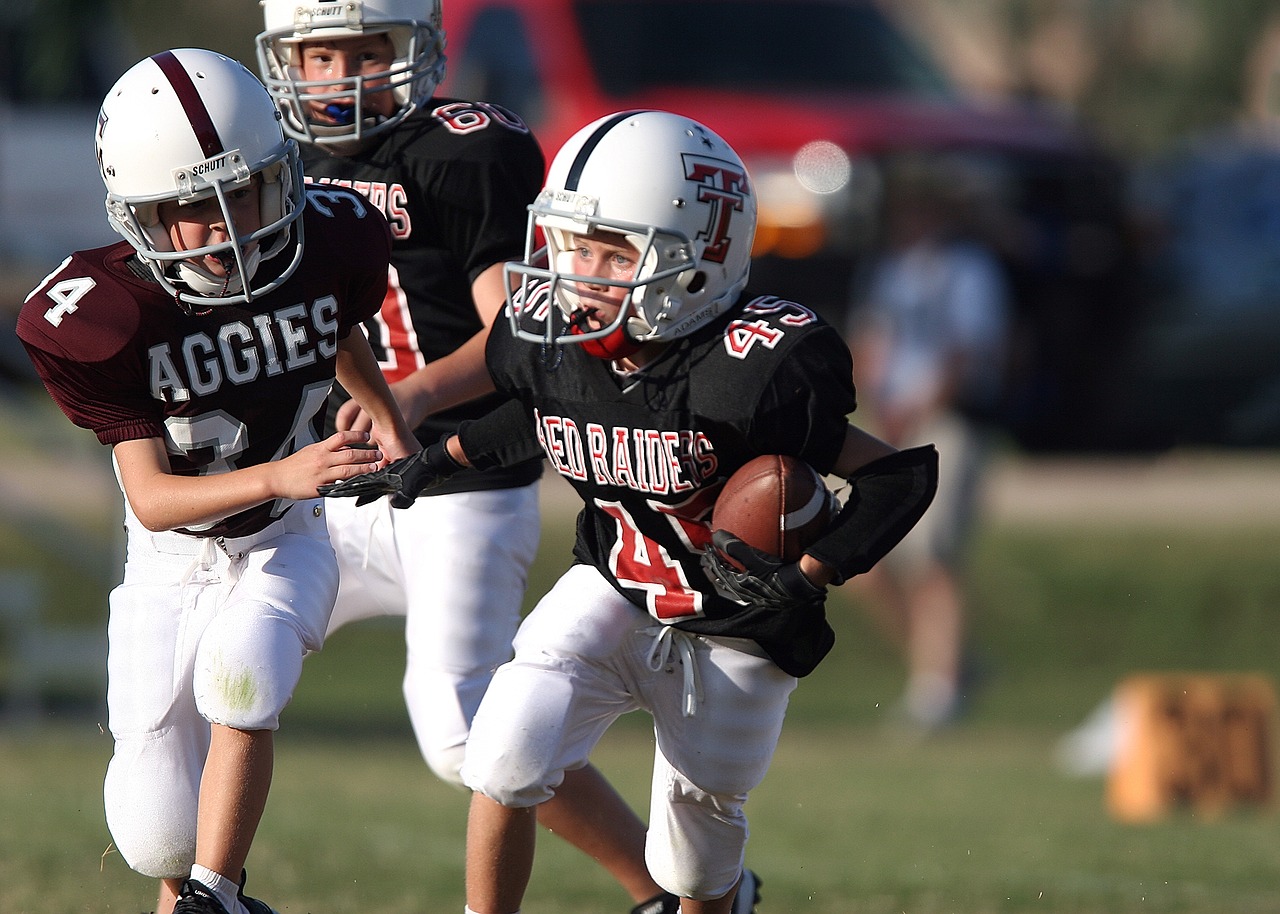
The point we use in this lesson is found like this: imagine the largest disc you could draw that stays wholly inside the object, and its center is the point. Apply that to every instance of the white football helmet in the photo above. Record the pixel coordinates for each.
(417, 34)
(186, 125)
(678, 193)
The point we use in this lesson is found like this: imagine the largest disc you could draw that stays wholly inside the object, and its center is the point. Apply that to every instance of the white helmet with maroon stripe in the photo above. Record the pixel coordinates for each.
(187, 125)
(678, 193)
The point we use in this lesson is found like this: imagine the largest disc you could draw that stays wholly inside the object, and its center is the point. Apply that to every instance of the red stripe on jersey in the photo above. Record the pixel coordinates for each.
(192, 103)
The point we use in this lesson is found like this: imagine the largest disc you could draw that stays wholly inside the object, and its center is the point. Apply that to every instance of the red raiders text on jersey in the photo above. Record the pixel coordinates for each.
(648, 452)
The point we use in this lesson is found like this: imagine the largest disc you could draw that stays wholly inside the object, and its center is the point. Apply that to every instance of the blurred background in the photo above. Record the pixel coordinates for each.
(1121, 158)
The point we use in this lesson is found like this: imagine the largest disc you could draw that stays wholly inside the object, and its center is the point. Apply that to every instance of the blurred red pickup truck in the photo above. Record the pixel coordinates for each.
(818, 96)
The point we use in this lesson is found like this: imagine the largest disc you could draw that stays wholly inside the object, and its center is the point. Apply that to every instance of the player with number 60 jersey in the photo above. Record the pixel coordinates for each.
(355, 87)
(453, 181)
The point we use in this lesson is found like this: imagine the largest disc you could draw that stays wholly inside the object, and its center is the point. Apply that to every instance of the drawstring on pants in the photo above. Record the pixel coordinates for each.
(665, 638)
(203, 560)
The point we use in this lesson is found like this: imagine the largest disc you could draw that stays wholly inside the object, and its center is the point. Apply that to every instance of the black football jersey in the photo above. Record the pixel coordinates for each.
(454, 181)
(233, 387)
(648, 453)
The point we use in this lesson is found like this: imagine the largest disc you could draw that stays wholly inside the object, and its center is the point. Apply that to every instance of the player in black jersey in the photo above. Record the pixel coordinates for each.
(355, 86)
(638, 372)
(201, 349)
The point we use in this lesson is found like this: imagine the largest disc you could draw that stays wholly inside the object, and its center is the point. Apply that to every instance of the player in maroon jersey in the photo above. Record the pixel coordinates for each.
(635, 368)
(356, 89)
(201, 349)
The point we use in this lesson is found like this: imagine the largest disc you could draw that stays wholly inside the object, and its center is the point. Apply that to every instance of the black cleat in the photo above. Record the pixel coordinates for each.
(195, 898)
(666, 903)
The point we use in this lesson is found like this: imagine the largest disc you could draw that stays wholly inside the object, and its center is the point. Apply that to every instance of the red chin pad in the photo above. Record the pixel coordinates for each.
(616, 345)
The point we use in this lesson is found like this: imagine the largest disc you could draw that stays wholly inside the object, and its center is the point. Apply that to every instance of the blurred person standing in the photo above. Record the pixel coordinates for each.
(929, 330)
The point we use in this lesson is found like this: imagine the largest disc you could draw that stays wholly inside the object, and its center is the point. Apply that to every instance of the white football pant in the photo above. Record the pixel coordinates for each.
(198, 632)
(584, 657)
(455, 566)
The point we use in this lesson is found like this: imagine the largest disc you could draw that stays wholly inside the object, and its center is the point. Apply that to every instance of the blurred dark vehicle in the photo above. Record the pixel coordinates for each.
(818, 97)
(1204, 367)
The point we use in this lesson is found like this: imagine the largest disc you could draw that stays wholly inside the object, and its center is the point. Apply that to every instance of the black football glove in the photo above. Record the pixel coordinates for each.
(767, 582)
(404, 479)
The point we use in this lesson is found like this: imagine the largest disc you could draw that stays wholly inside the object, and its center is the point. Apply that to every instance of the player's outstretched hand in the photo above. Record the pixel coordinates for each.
(404, 479)
(341, 455)
(763, 581)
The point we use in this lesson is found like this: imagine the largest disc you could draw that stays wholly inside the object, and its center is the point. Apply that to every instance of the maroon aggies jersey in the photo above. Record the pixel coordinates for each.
(649, 453)
(454, 182)
(230, 388)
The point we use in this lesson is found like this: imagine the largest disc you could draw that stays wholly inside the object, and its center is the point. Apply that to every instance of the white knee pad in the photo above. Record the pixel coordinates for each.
(516, 780)
(445, 762)
(516, 753)
(247, 666)
(697, 840)
(441, 706)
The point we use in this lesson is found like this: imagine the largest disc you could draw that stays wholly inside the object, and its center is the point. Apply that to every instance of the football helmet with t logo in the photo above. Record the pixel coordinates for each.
(680, 196)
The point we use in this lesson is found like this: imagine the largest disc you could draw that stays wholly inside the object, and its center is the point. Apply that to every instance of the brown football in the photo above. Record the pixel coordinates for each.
(775, 503)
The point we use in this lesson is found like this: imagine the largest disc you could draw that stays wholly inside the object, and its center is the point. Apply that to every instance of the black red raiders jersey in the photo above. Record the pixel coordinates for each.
(649, 453)
(454, 181)
(231, 388)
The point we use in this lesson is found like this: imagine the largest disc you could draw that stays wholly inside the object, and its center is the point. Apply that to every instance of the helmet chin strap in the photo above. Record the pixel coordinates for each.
(612, 346)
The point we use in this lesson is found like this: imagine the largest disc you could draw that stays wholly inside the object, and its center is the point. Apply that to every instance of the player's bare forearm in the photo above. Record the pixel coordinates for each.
(456, 378)
(453, 379)
(817, 573)
(461, 375)
(454, 447)
(358, 372)
(164, 501)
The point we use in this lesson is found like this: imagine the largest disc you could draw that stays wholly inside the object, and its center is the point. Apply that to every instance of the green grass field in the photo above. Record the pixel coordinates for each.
(852, 818)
